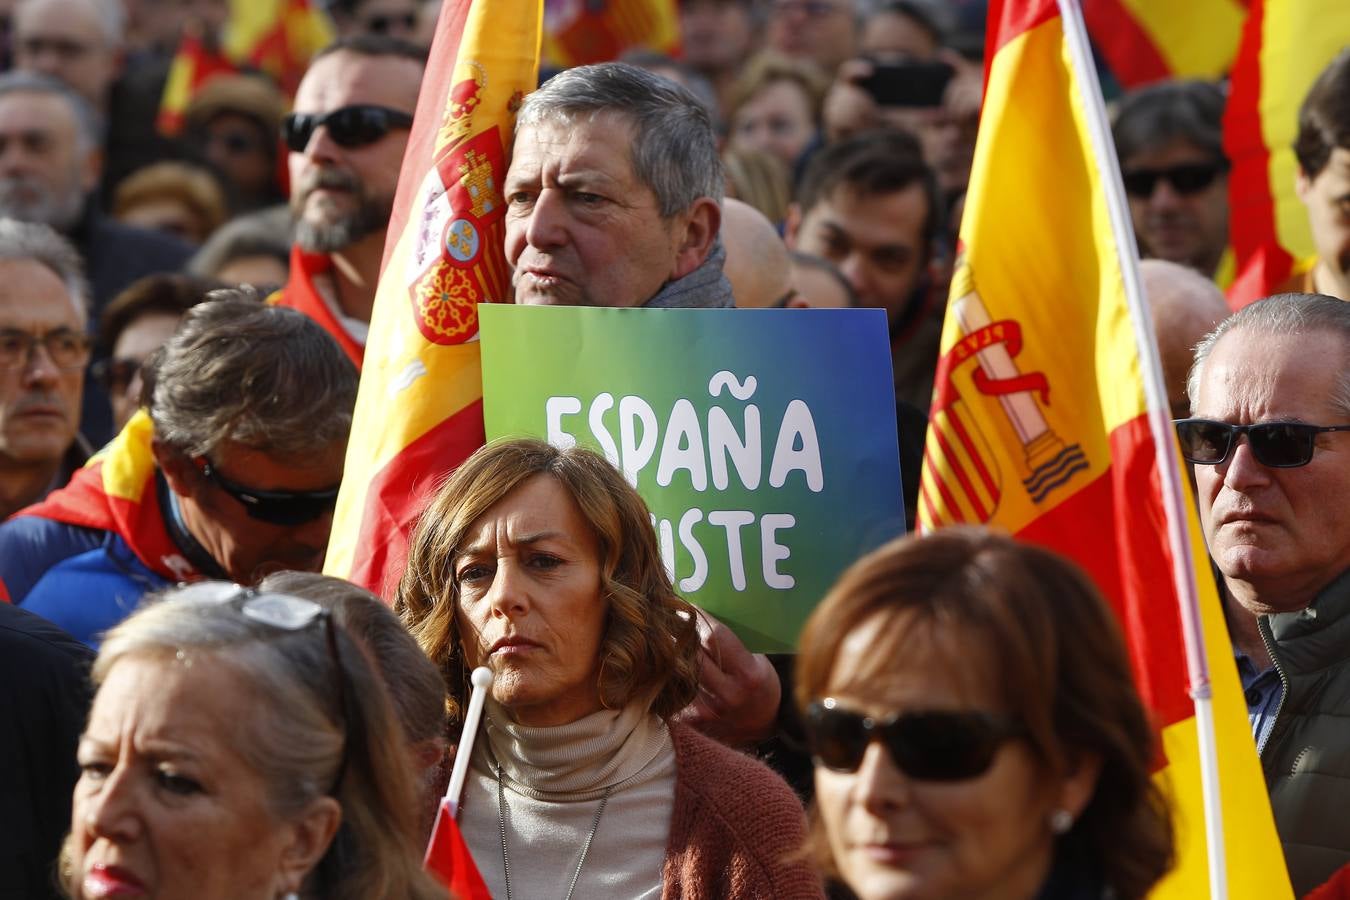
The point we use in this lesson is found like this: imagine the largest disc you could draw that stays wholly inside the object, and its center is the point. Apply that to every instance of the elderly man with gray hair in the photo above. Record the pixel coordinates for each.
(614, 194)
(1270, 443)
(43, 353)
(230, 471)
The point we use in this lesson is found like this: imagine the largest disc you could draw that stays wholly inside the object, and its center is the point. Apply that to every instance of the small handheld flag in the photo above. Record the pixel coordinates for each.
(448, 857)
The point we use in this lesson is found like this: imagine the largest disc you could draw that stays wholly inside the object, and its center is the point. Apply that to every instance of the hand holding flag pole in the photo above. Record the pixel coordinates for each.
(447, 856)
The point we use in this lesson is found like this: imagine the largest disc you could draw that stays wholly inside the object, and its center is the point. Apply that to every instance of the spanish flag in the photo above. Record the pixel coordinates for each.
(1285, 45)
(278, 37)
(419, 411)
(1149, 40)
(1040, 425)
(196, 62)
(578, 34)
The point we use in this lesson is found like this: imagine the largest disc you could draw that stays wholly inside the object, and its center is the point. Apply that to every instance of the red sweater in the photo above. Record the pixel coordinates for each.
(734, 826)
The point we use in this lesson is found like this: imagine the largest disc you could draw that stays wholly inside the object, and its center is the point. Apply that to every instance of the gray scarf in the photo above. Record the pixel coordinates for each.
(704, 288)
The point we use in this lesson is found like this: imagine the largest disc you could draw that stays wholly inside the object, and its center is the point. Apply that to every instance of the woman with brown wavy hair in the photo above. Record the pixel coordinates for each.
(976, 730)
(542, 565)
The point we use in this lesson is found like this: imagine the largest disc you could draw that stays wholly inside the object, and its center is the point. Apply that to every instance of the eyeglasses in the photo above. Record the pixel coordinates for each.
(288, 613)
(1185, 180)
(1280, 445)
(275, 507)
(115, 375)
(349, 126)
(384, 23)
(928, 746)
(812, 9)
(67, 349)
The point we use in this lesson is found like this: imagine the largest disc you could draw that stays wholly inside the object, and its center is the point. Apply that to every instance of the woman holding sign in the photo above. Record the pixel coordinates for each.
(542, 564)
(976, 730)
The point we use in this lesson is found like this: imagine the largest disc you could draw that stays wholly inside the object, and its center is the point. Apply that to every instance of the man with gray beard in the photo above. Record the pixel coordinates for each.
(50, 164)
(347, 136)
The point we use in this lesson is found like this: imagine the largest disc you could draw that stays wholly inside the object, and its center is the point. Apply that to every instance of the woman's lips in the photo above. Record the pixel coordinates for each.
(111, 881)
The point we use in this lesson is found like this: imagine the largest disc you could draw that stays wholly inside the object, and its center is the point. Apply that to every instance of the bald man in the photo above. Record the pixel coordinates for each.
(757, 259)
(1186, 306)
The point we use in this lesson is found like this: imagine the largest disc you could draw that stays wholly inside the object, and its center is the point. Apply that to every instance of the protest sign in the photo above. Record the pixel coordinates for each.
(763, 441)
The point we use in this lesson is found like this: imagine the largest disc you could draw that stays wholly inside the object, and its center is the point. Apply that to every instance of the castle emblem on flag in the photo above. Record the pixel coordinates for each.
(962, 477)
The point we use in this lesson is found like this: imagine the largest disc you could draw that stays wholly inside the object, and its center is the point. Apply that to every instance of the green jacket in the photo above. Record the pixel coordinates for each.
(1307, 757)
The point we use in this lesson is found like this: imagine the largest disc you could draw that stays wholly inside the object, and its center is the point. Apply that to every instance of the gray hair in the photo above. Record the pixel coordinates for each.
(300, 737)
(1279, 316)
(44, 246)
(88, 127)
(267, 377)
(111, 16)
(674, 145)
(263, 233)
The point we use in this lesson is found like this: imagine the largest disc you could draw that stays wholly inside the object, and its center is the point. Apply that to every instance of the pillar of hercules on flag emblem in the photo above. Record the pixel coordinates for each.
(963, 479)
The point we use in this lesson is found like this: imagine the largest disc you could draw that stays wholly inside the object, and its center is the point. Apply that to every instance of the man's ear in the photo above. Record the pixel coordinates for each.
(1302, 185)
(92, 169)
(178, 471)
(701, 224)
(308, 840)
(792, 225)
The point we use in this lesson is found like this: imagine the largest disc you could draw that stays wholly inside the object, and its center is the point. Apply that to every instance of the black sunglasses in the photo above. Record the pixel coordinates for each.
(276, 507)
(928, 746)
(384, 23)
(349, 126)
(288, 613)
(1187, 179)
(1280, 445)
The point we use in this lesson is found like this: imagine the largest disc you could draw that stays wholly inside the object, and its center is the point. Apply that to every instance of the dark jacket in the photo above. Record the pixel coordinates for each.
(43, 700)
(1307, 757)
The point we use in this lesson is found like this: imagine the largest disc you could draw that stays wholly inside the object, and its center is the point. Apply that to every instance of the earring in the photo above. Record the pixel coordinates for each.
(1061, 820)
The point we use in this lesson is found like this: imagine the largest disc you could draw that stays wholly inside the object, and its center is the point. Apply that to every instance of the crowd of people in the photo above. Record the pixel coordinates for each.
(189, 710)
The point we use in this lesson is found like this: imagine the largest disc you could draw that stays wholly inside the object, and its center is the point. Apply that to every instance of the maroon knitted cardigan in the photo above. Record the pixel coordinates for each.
(734, 827)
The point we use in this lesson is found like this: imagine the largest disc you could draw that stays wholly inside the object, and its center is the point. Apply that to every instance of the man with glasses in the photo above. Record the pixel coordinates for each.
(346, 137)
(230, 472)
(384, 18)
(822, 31)
(43, 354)
(1169, 139)
(1270, 443)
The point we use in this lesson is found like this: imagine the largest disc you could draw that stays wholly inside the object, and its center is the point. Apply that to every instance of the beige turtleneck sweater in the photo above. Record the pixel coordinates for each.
(553, 780)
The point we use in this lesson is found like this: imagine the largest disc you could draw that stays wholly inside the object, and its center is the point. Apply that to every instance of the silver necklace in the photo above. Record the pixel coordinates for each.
(585, 848)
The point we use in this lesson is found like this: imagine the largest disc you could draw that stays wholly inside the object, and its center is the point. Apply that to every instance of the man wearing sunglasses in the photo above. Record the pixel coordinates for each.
(1269, 438)
(346, 136)
(230, 471)
(1169, 139)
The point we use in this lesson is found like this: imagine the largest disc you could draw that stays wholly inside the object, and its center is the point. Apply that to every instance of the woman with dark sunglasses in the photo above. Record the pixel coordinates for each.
(542, 564)
(976, 730)
(241, 746)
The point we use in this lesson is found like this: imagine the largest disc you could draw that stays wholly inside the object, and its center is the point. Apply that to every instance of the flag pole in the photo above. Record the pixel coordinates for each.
(1164, 440)
(481, 680)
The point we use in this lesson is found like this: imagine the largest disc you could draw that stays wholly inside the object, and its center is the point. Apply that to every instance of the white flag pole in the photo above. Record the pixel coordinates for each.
(1160, 423)
(481, 680)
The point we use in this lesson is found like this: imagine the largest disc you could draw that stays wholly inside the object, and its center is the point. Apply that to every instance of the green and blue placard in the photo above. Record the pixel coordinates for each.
(763, 441)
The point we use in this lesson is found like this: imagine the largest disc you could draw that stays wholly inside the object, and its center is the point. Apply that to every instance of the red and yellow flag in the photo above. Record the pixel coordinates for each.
(193, 65)
(578, 33)
(419, 411)
(1149, 40)
(1040, 426)
(278, 37)
(1285, 45)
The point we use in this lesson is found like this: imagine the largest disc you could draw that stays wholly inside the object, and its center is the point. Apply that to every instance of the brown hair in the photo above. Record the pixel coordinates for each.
(1055, 653)
(190, 185)
(1324, 117)
(650, 647)
(766, 68)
